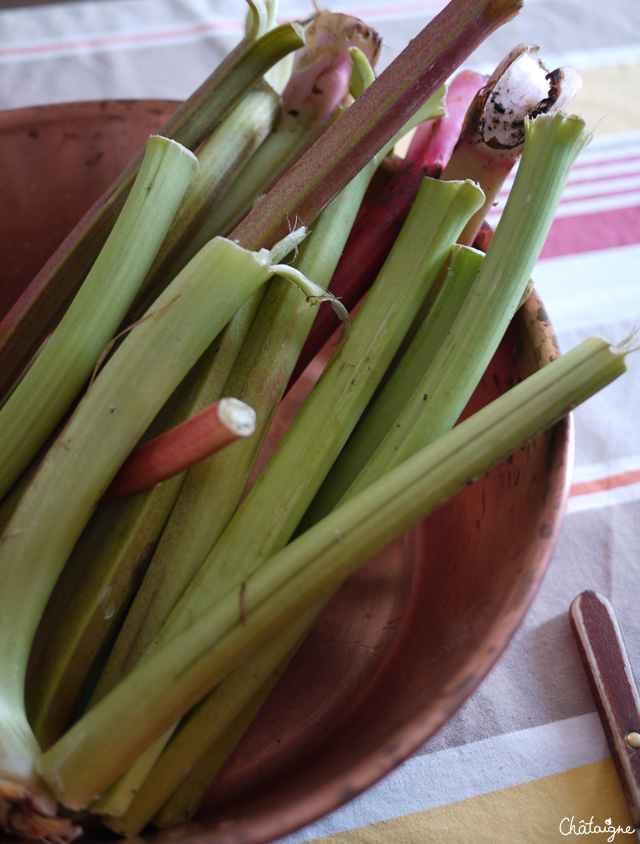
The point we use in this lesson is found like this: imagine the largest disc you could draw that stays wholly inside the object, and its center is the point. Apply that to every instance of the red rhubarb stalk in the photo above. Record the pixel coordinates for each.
(434, 141)
(177, 450)
(375, 232)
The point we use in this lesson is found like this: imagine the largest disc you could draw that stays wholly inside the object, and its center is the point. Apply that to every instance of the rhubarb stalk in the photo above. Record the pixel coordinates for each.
(70, 354)
(75, 473)
(311, 100)
(182, 447)
(552, 144)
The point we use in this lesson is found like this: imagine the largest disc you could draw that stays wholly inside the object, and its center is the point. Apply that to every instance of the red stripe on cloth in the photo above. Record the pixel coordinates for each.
(421, 10)
(402, 10)
(603, 484)
(393, 11)
(590, 232)
(598, 194)
(118, 40)
(576, 177)
(605, 178)
(632, 160)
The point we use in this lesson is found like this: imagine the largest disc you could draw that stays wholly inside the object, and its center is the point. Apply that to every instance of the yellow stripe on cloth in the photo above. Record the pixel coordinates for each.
(543, 811)
(608, 100)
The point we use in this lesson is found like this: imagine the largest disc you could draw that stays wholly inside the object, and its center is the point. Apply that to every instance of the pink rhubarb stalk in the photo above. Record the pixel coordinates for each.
(177, 450)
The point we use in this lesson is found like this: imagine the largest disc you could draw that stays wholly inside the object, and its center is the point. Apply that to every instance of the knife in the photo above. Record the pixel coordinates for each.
(613, 687)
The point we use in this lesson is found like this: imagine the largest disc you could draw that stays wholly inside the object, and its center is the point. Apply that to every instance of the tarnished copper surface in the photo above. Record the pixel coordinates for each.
(56, 161)
(410, 636)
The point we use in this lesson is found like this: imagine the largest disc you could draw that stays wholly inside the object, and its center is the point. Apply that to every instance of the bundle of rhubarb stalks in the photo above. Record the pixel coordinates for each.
(149, 593)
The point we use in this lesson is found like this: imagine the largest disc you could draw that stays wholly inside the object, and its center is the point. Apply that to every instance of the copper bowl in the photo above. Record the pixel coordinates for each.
(410, 636)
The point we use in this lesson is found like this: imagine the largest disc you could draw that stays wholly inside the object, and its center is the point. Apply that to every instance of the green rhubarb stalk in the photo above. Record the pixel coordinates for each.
(259, 378)
(551, 146)
(321, 428)
(36, 313)
(220, 157)
(224, 152)
(65, 363)
(204, 775)
(184, 771)
(88, 603)
(404, 379)
(119, 540)
(195, 747)
(491, 140)
(215, 759)
(166, 684)
(77, 469)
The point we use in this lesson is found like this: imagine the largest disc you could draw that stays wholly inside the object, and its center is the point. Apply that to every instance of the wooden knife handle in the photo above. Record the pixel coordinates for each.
(609, 673)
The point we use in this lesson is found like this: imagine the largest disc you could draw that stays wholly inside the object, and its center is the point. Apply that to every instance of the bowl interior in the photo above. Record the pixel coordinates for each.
(411, 635)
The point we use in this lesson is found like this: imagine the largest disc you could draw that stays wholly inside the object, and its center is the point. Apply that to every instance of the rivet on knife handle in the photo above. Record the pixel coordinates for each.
(611, 679)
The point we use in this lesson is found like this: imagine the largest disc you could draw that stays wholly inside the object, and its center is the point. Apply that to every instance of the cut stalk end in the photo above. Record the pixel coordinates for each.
(237, 416)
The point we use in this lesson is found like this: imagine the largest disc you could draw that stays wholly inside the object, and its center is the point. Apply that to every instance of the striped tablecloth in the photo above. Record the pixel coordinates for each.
(525, 760)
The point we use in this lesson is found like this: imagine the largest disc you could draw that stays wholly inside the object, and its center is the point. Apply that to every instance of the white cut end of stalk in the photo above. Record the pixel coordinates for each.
(569, 87)
(523, 87)
(238, 417)
(180, 146)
